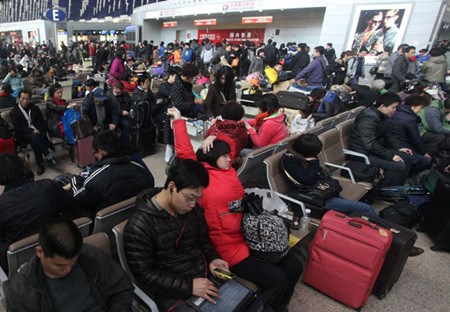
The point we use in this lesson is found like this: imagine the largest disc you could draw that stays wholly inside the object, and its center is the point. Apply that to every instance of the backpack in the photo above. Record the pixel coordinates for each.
(402, 213)
(5, 131)
(137, 114)
(265, 232)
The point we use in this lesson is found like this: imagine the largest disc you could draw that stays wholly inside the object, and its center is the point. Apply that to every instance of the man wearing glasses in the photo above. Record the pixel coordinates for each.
(166, 240)
(372, 37)
(390, 28)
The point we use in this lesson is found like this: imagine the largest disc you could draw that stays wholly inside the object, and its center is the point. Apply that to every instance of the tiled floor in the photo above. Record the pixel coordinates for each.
(423, 286)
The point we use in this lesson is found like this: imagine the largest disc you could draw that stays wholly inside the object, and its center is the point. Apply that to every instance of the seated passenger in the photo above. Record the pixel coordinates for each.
(302, 166)
(436, 128)
(221, 91)
(6, 100)
(371, 135)
(277, 281)
(56, 106)
(121, 102)
(268, 127)
(31, 128)
(67, 275)
(15, 81)
(166, 239)
(96, 107)
(111, 179)
(404, 126)
(25, 205)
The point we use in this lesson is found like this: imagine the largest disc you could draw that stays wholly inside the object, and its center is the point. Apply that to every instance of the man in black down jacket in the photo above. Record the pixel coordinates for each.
(65, 275)
(400, 68)
(166, 240)
(371, 136)
(112, 179)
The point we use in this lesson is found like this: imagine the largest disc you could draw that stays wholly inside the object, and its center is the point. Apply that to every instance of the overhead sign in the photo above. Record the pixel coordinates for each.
(257, 20)
(205, 22)
(55, 15)
(233, 35)
(170, 24)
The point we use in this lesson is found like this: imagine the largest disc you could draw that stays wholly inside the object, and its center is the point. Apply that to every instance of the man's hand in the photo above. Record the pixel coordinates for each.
(427, 155)
(125, 113)
(447, 169)
(173, 111)
(203, 287)
(218, 264)
(112, 127)
(397, 158)
(67, 187)
(198, 101)
(406, 150)
(291, 82)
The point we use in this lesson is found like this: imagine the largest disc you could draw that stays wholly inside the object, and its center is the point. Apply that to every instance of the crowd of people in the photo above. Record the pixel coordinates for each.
(181, 232)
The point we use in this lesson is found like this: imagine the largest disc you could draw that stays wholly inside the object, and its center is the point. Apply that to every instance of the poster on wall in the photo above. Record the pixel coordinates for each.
(12, 37)
(232, 35)
(33, 36)
(376, 27)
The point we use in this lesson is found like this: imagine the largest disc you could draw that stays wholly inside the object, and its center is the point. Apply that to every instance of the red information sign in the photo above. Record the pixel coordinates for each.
(257, 20)
(169, 24)
(205, 22)
(232, 35)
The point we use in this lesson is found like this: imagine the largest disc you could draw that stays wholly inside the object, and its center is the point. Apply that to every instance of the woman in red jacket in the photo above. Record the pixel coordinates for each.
(276, 280)
(268, 127)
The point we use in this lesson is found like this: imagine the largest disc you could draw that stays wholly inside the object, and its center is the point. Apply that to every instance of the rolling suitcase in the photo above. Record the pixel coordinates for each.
(402, 243)
(7, 146)
(295, 100)
(345, 257)
(82, 152)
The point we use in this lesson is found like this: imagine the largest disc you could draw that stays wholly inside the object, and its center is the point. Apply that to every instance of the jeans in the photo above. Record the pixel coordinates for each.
(276, 280)
(125, 129)
(308, 87)
(395, 172)
(347, 206)
(419, 163)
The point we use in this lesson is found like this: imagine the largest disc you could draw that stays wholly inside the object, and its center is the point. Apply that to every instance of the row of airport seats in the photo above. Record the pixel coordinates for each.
(252, 172)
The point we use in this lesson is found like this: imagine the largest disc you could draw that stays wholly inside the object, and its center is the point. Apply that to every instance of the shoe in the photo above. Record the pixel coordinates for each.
(40, 169)
(415, 251)
(52, 161)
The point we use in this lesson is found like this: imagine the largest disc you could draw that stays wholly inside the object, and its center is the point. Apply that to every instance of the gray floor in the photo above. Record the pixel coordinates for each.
(423, 286)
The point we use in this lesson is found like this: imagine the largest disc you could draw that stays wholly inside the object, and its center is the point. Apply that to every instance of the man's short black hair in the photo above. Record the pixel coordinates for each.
(60, 237)
(269, 103)
(5, 87)
(91, 83)
(11, 168)
(435, 52)
(307, 145)
(189, 70)
(409, 48)
(24, 91)
(232, 110)
(417, 100)
(119, 85)
(387, 99)
(187, 173)
(142, 78)
(320, 49)
(173, 70)
(107, 141)
(317, 93)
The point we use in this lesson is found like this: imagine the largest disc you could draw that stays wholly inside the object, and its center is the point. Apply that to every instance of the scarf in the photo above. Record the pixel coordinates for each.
(259, 120)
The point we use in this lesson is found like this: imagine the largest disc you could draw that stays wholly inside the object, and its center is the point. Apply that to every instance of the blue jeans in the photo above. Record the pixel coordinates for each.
(419, 163)
(309, 87)
(395, 172)
(347, 206)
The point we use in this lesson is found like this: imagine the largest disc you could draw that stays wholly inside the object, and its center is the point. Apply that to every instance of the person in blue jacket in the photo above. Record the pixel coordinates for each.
(186, 54)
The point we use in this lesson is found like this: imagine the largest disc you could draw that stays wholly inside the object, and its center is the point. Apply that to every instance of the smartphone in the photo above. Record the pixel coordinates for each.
(224, 274)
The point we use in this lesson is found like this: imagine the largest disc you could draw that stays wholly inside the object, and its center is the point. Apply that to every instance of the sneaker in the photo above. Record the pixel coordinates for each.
(40, 169)
(52, 161)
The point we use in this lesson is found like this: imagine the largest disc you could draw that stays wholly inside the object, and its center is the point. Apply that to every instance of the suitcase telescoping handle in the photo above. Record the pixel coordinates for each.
(381, 223)
(356, 222)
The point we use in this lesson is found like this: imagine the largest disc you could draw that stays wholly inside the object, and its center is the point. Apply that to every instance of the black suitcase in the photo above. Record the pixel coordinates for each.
(144, 140)
(402, 243)
(436, 219)
(294, 100)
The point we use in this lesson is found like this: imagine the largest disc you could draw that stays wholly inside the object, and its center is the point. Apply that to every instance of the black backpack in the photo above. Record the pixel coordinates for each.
(5, 131)
(137, 114)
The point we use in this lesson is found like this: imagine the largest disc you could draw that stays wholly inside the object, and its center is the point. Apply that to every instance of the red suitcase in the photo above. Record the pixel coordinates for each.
(82, 152)
(7, 145)
(346, 256)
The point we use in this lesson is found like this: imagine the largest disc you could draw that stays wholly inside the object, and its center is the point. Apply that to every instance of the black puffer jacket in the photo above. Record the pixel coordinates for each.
(183, 98)
(158, 264)
(371, 135)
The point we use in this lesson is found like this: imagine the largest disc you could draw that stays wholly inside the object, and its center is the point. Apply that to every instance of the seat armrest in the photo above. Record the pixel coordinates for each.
(350, 173)
(3, 284)
(294, 201)
(357, 154)
(145, 299)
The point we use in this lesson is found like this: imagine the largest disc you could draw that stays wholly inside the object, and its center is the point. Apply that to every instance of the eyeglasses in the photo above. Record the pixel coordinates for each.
(190, 201)
(376, 22)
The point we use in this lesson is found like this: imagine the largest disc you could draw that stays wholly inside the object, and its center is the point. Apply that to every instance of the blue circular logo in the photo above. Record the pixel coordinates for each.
(55, 15)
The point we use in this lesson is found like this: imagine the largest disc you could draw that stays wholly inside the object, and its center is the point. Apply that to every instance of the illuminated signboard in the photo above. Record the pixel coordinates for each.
(169, 24)
(257, 20)
(205, 22)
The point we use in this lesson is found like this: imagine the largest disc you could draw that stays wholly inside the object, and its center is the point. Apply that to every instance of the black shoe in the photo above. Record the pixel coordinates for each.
(52, 161)
(415, 251)
(40, 169)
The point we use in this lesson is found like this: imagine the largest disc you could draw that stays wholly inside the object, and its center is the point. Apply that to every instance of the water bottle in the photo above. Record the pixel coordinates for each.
(304, 222)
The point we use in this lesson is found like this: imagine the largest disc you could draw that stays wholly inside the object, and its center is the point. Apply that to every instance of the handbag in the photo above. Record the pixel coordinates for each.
(374, 70)
(82, 128)
(235, 62)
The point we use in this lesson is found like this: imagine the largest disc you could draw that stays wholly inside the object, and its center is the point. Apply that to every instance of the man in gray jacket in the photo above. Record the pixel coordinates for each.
(400, 69)
(65, 274)
(436, 67)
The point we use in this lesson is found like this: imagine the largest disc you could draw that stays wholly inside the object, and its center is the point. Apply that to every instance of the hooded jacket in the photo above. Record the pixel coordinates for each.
(224, 187)
(272, 130)
(435, 68)
(233, 129)
(160, 266)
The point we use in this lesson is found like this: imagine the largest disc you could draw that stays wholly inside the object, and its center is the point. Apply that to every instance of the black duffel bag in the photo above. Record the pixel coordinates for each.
(361, 171)
(401, 213)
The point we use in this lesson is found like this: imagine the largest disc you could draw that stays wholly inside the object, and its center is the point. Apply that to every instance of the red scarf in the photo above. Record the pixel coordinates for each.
(259, 119)
(61, 102)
